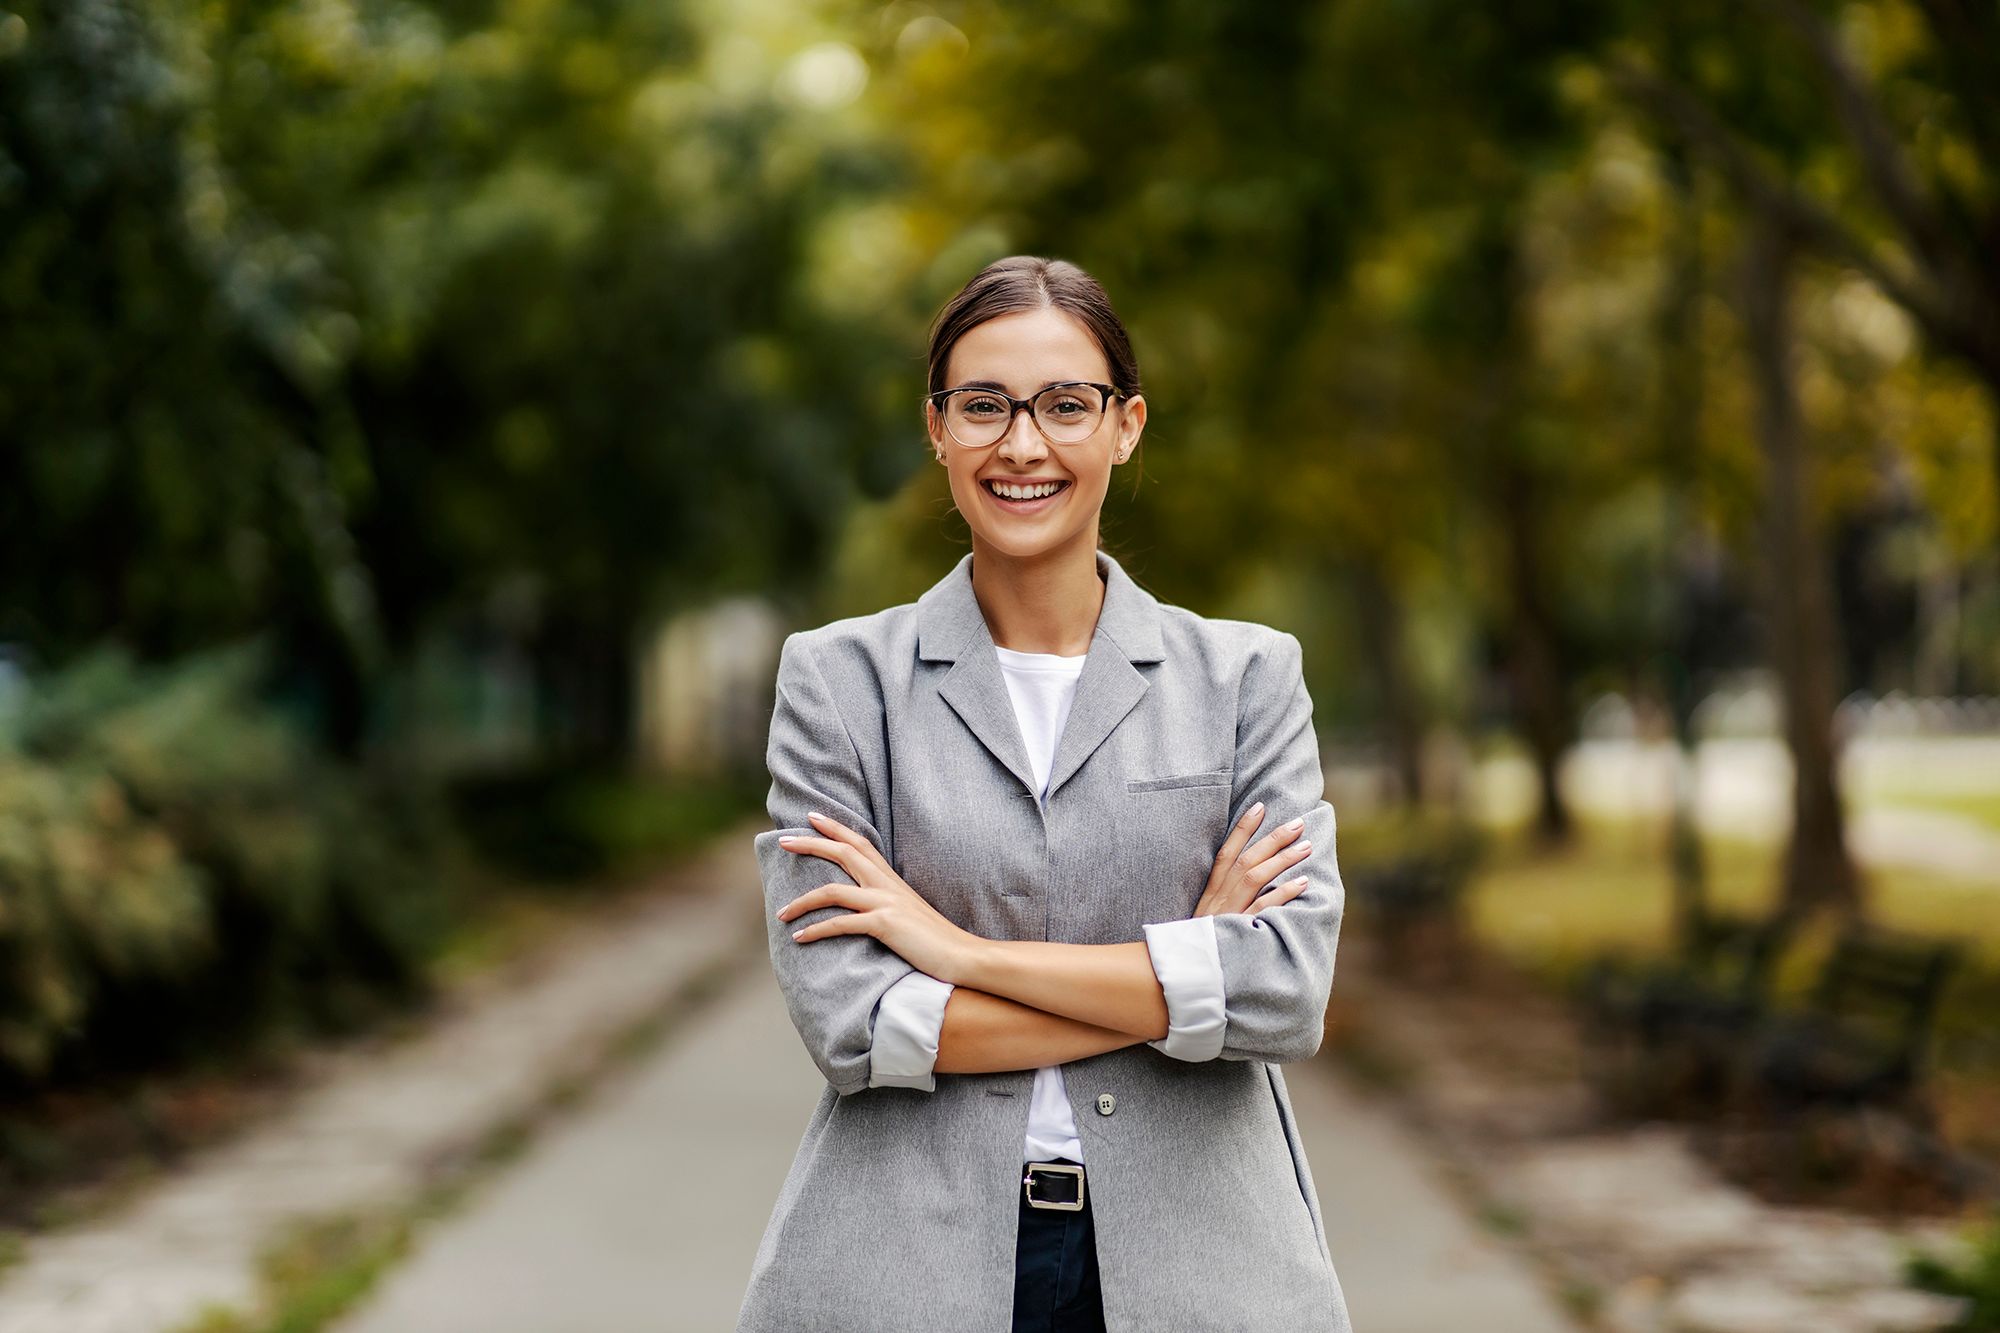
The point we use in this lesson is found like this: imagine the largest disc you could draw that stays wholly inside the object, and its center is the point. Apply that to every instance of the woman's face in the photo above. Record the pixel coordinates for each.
(1022, 353)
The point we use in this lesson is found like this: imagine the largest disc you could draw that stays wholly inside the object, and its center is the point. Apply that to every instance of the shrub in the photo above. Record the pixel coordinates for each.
(179, 866)
(1976, 1279)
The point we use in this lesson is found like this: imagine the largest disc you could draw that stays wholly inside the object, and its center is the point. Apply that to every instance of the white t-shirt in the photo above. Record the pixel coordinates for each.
(1042, 686)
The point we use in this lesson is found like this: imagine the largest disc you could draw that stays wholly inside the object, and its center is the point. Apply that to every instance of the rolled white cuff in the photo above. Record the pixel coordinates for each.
(903, 1046)
(1189, 966)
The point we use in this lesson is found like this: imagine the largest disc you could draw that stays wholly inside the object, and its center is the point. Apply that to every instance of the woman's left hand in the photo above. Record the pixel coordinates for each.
(884, 905)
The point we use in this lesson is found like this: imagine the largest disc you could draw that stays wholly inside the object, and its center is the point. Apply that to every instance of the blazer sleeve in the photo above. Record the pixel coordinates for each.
(1276, 965)
(831, 985)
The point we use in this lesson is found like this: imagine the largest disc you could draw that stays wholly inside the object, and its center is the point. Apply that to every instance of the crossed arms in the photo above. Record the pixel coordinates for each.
(1230, 986)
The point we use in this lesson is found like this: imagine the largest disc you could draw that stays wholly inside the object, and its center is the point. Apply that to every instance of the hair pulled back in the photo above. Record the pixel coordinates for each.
(1031, 282)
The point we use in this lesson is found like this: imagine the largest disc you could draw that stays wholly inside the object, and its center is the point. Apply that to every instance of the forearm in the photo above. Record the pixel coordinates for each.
(985, 1033)
(1100, 985)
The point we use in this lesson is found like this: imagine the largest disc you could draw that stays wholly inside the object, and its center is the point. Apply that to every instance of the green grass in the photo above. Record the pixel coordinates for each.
(321, 1269)
(1982, 807)
(1612, 889)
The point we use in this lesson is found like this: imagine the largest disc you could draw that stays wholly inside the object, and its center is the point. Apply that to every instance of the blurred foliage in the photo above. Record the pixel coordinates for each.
(562, 824)
(1396, 835)
(352, 322)
(356, 315)
(351, 317)
(179, 867)
(1976, 1280)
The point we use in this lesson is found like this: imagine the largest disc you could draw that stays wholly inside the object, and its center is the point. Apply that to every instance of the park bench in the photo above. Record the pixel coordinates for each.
(1688, 1015)
(1861, 1037)
(1716, 978)
(1413, 899)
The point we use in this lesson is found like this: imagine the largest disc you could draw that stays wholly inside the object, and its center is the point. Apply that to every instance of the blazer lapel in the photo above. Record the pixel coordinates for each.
(977, 692)
(951, 627)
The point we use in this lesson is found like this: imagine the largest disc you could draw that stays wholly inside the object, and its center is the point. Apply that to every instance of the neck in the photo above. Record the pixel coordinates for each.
(1047, 603)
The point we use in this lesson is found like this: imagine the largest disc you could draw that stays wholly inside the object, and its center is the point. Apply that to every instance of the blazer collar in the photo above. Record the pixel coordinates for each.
(952, 628)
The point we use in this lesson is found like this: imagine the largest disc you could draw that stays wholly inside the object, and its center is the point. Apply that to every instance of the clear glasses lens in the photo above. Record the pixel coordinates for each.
(1065, 413)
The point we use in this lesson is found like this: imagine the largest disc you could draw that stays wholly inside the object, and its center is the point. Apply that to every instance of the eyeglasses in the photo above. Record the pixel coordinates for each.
(1064, 413)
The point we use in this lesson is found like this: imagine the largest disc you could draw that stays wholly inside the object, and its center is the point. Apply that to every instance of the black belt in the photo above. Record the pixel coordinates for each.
(1057, 1185)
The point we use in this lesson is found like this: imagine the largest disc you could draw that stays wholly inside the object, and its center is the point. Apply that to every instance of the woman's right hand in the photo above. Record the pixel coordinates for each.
(1242, 872)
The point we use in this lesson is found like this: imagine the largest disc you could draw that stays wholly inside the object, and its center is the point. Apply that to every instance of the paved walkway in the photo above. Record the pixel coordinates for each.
(644, 1211)
(382, 1115)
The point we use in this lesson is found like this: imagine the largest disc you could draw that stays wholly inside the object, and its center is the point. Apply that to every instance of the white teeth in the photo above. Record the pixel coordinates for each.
(1024, 492)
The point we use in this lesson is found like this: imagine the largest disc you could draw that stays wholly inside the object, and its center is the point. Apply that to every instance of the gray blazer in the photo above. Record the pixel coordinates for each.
(901, 1207)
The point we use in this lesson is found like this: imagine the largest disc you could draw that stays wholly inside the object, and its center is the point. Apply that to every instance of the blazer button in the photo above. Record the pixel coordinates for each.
(1106, 1103)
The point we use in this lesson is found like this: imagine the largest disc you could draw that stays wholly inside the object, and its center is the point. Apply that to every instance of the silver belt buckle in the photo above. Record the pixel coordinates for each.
(1052, 1168)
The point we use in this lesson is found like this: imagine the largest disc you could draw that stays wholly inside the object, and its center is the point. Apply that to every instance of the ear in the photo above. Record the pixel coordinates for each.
(1131, 425)
(934, 428)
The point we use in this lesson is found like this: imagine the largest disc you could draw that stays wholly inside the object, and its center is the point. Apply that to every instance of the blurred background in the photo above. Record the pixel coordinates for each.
(421, 421)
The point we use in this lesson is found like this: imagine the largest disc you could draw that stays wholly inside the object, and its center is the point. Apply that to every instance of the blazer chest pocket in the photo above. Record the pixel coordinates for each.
(1219, 777)
(1172, 827)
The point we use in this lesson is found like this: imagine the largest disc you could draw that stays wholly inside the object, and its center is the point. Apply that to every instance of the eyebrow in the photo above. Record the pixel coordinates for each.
(1001, 388)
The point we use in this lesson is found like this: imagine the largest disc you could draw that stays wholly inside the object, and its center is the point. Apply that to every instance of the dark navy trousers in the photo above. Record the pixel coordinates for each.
(1055, 1270)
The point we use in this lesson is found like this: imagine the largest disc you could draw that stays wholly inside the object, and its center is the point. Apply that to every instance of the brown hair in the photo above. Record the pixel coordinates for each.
(1030, 282)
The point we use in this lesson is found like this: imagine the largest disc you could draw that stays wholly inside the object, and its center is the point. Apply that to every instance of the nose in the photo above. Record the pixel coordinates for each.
(1023, 441)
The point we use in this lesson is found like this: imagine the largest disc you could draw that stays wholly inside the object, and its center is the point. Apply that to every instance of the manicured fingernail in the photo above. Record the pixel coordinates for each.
(797, 933)
(1257, 809)
(814, 814)
(787, 837)
(1303, 844)
(1296, 823)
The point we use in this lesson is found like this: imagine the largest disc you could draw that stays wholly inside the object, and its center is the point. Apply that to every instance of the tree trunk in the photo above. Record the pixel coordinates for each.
(1819, 873)
(1380, 614)
(1679, 673)
(1537, 673)
(1534, 658)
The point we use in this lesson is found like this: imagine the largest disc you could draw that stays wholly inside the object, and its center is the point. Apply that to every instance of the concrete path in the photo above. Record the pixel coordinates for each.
(1409, 1259)
(643, 1212)
(378, 1116)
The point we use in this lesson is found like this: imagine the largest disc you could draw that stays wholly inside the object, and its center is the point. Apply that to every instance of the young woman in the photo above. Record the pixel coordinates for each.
(1052, 895)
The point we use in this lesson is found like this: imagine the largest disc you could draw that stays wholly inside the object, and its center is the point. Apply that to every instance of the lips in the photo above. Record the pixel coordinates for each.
(988, 484)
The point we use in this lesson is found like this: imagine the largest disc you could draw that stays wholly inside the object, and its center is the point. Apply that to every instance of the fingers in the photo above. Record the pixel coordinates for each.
(1275, 839)
(1245, 881)
(1239, 835)
(840, 853)
(1233, 851)
(847, 923)
(1282, 893)
(826, 895)
(1241, 873)
(833, 828)
(1269, 869)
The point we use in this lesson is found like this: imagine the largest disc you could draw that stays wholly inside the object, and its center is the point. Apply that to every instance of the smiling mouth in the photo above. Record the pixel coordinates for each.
(1037, 499)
